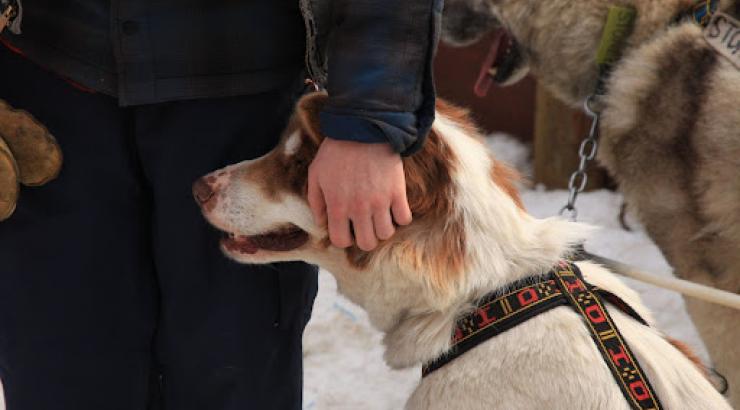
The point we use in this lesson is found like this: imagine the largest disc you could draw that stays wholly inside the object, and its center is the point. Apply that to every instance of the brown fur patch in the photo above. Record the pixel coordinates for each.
(690, 354)
(505, 178)
(460, 116)
(307, 111)
(281, 173)
(278, 173)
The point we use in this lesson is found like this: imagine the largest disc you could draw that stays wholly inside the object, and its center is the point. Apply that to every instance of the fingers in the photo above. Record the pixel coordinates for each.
(364, 231)
(316, 201)
(383, 223)
(362, 226)
(339, 232)
(400, 208)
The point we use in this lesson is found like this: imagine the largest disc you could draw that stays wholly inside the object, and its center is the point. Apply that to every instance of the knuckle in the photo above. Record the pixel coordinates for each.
(359, 211)
(379, 203)
(360, 202)
(337, 209)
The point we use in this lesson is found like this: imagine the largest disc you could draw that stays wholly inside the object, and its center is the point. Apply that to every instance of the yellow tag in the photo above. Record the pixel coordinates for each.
(618, 28)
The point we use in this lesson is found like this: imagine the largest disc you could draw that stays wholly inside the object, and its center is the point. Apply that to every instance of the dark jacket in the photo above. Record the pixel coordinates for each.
(378, 54)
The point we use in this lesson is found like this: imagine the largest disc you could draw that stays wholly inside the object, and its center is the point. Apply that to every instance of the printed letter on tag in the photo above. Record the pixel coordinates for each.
(723, 33)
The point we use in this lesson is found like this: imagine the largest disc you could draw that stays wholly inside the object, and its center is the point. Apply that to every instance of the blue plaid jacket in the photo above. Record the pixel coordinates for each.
(373, 56)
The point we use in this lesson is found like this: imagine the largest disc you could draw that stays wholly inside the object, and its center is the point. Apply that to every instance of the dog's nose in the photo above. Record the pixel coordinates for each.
(202, 191)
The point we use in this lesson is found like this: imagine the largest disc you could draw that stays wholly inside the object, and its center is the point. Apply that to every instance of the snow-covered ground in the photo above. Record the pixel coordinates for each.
(344, 368)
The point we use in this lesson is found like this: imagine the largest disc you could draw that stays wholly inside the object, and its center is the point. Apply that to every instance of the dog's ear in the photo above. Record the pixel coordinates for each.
(307, 111)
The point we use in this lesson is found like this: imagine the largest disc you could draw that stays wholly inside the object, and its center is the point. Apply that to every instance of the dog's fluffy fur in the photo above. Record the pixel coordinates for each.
(670, 131)
(469, 237)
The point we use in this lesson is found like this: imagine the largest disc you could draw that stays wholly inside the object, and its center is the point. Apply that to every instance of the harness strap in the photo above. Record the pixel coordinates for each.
(614, 349)
(496, 313)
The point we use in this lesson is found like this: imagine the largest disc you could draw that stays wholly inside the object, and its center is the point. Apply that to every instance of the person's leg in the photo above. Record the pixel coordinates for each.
(77, 293)
(230, 335)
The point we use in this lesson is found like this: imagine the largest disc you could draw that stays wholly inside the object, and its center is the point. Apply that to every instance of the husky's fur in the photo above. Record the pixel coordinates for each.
(469, 237)
(670, 131)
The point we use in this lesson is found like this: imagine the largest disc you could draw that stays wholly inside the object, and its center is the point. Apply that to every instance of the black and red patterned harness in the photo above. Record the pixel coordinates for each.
(562, 286)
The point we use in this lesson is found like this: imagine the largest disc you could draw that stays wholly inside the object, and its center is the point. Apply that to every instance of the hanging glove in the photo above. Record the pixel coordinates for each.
(29, 155)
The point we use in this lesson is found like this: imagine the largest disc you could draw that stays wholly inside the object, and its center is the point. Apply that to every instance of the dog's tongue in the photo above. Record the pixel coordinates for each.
(485, 80)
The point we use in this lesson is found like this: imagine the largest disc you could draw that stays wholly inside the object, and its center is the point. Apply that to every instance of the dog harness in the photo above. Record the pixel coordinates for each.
(562, 286)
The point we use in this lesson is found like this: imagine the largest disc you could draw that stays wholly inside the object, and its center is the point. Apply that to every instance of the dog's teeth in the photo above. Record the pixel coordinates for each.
(493, 71)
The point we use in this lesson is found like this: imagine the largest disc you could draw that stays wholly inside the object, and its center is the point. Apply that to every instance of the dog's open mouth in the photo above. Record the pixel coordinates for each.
(503, 63)
(283, 239)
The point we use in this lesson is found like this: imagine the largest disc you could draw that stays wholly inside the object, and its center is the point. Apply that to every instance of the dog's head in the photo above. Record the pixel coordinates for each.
(556, 39)
(261, 205)
(467, 21)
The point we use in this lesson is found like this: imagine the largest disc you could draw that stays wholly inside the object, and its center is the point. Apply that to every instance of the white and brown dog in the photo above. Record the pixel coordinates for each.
(470, 236)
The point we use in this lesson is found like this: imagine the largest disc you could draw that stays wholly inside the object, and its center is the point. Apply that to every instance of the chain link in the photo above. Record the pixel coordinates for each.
(586, 153)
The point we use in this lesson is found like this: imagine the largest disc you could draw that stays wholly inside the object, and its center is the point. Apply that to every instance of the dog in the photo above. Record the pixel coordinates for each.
(470, 237)
(669, 131)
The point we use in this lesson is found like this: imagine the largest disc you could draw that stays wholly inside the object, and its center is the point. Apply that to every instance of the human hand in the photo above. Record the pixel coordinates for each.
(359, 187)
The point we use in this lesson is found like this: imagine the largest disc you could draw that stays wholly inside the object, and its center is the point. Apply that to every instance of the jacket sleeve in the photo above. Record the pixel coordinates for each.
(380, 72)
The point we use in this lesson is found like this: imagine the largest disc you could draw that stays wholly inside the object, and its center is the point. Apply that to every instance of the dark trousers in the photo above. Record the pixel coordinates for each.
(113, 292)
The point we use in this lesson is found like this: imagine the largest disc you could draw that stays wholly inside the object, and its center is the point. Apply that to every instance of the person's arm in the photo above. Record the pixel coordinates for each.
(381, 106)
(380, 85)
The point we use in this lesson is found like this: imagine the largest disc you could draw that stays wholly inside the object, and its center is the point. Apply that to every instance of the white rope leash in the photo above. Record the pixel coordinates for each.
(684, 287)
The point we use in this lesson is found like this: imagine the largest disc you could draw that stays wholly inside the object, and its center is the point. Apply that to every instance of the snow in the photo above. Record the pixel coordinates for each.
(343, 354)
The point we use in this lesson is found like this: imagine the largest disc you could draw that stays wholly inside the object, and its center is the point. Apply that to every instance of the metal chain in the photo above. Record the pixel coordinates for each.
(587, 153)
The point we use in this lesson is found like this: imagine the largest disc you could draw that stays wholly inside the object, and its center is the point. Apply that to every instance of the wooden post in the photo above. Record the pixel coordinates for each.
(559, 130)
